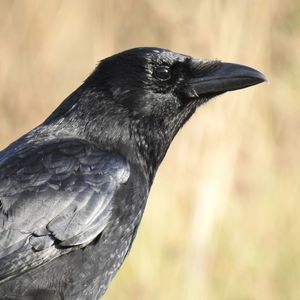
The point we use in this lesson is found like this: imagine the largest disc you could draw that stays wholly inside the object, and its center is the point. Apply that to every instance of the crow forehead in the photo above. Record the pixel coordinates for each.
(160, 56)
(152, 55)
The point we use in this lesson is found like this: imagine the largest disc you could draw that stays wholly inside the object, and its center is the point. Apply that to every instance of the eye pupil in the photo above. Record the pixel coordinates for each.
(163, 73)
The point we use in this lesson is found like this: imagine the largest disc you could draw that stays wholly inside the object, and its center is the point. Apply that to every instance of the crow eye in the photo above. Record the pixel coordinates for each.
(163, 72)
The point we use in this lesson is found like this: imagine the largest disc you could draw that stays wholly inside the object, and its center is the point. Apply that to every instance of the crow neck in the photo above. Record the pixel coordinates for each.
(153, 136)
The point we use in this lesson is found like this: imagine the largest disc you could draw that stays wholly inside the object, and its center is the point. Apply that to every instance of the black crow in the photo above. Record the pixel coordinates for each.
(73, 190)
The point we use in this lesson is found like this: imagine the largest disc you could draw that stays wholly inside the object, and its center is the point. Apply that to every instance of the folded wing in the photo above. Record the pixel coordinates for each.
(54, 198)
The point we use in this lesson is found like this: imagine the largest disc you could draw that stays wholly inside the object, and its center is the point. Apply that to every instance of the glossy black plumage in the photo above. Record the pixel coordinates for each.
(73, 190)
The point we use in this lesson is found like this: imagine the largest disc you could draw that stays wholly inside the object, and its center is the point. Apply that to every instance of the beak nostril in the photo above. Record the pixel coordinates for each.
(204, 67)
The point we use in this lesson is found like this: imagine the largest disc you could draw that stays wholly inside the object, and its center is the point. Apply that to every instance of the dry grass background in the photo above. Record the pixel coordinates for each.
(223, 220)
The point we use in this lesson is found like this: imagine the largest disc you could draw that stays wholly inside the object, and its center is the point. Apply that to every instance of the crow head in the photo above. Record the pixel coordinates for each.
(159, 84)
(160, 90)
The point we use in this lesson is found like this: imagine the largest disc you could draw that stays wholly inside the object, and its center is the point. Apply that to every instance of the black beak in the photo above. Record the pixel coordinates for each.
(212, 78)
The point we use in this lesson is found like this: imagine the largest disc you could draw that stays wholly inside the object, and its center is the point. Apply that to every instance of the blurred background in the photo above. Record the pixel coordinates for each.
(222, 221)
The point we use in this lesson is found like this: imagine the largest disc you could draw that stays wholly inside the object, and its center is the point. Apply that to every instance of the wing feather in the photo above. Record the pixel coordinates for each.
(53, 195)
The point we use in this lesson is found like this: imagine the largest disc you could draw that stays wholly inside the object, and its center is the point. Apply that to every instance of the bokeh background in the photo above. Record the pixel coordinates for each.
(222, 221)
